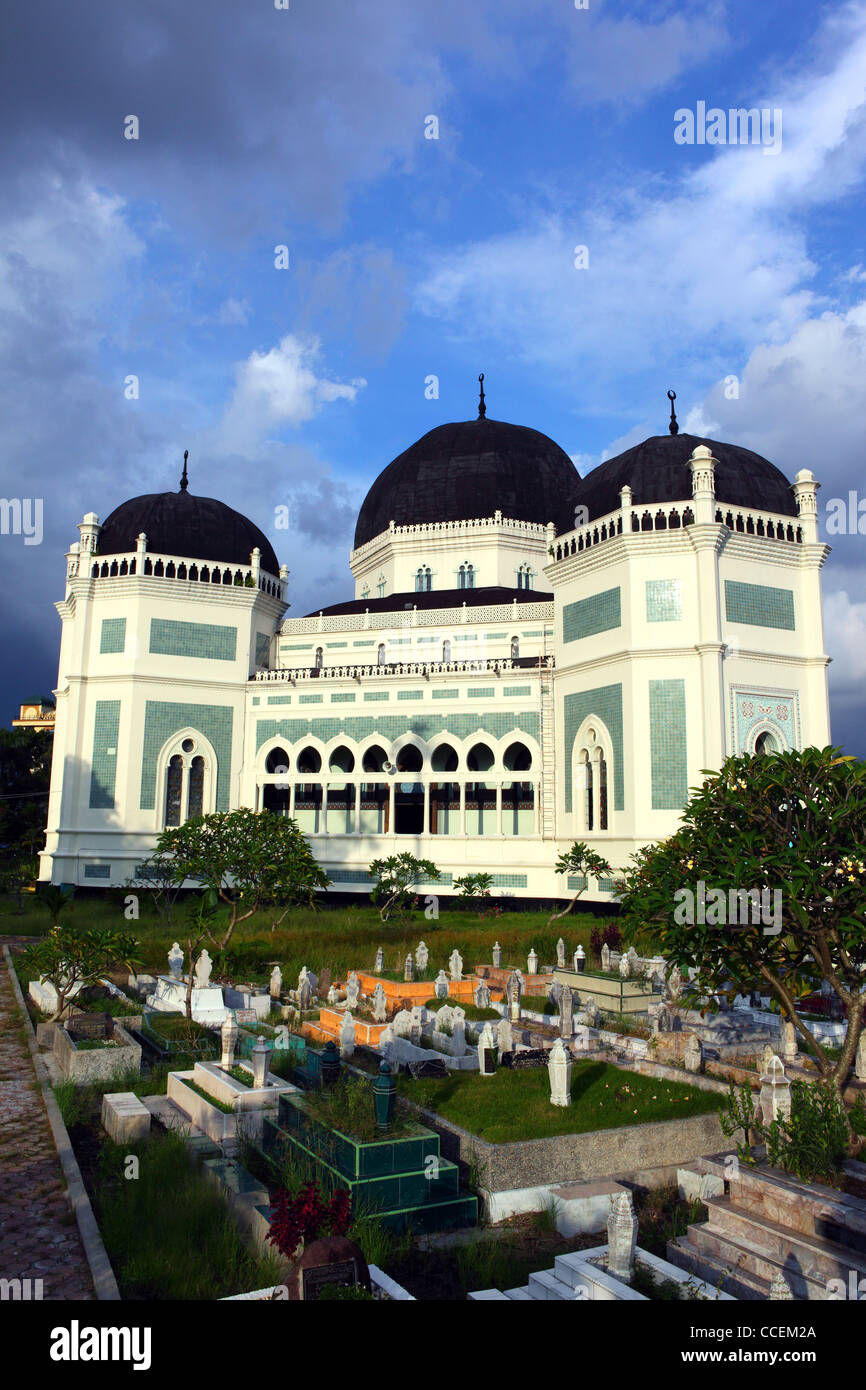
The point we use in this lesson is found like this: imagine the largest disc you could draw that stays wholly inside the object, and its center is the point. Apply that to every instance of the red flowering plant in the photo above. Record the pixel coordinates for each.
(306, 1216)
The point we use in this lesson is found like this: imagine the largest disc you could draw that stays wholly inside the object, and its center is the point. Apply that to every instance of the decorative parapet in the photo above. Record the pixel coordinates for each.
(436, 530)
(419, 617)
(667, 516)
(399, 669)
(143, 563)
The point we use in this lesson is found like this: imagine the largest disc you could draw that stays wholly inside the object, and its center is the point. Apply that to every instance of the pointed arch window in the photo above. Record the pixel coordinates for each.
(188, 780)
(319, 658)
(423, 579)
(515, 648)
(466, 576)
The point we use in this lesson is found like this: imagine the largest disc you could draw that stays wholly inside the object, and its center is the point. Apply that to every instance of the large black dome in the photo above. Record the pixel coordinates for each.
(657, 471)
(179, 523)
(460, 471)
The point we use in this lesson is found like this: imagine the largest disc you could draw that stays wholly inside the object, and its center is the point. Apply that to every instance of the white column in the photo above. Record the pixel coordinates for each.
(426, 786)
(357, 791)
(499, 809)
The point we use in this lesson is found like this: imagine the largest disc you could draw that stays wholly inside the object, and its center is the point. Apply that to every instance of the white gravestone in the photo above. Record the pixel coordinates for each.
(497, 956)
(455, 965)
(379, 963)
(440, 988)
(486, 1045)
(693, 1057)
(789, 1036)
(409, 970)
(605, 957)
(347, 1037)
(532, 962)
(276, 985)
(505, 1036)
(624, 967)
(621, 1237)
(579, 960)
(203, 968)
(228, 1039)
(422, 955)
(401, 1024)
(260, 1057)
(566, 1012)
(175, 961)
(380, 1003)
(332, 995)
(305, 995)
(560, 954)
(775, 1097)
(482, 996)
(353, 989)
(559, 1073)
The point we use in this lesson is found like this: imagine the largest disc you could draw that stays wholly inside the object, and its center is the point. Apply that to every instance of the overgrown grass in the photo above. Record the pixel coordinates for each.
(473, 1014)
(515, 1105)
(205, 1095)
(538, 1004)
(168, 1233)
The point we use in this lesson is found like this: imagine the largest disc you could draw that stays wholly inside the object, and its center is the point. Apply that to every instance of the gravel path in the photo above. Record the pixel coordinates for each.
(38, 1232)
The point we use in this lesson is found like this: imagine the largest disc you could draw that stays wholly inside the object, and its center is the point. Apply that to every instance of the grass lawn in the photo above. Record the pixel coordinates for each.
(339, 937)
(515, 1105)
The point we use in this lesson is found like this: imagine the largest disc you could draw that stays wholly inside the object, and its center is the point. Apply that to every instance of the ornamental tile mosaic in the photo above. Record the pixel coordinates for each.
(410, 694)
(759, 605)
(103, 765)
(392, 726)
(588, 616)
(517, 690)
(756, 710)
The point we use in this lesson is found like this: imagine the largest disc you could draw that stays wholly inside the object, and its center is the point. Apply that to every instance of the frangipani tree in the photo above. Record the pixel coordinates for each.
(765, 881)
(579, 861)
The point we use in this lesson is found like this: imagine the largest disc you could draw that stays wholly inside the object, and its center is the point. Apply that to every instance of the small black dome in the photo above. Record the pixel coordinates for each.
(657, 471)
(460, 471)
(179, 523)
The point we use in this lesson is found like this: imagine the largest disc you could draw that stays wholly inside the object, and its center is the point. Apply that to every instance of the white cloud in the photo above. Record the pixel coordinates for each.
(279, 388)
(845, 638)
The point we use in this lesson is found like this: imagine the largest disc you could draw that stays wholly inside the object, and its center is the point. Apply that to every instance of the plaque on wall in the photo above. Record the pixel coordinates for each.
(341, 1272)
(246, 1016)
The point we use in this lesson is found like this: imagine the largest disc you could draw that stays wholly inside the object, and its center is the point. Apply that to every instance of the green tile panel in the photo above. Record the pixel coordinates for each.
(668, 765)
(112, 637)
(759, 605)
(103, 765)
(343, 698)
(664, 600)
(263, 647)
(517, 690)
(449, 693)
(587, 616)
(310, 699)
(370, 695)
(296, 646)
(486, 694)
(97, 871)
(390, 726)
(193, 640)
(279, 699)
(410, 694)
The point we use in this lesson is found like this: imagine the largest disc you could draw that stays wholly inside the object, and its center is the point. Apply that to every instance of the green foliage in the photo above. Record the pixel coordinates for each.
(205, 1095)
(473, 889)
(793, 822)
(579, 860)
(55, 900)
(67, 958)
(347, 1106)
(811, 1143)
(250, 859)
(397, 877)
(25, 774)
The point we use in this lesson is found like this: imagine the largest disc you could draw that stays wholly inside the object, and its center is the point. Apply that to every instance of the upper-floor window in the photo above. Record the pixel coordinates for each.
(380, 655)
(423, 580)
(446, 650)
(188, 775)
(381, 586)
(319, 658)
(515, 648)
(525, 577)
(466, 576)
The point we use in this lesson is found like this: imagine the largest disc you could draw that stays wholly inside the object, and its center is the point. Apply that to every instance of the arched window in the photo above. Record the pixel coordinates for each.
(374, 759)
(380, 655)
(409, 758)
(446, 650)
(466, 576)
(319, 658)
(380, 586)
(515, 648)
(423, 579)
(765, 743)
(277, 761)
(188, 780)
(365, 592)
(309, 761)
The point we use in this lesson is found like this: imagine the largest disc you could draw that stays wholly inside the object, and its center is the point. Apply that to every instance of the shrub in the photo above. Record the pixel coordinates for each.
(609, 935)
(811, 1143)
(307, 1216)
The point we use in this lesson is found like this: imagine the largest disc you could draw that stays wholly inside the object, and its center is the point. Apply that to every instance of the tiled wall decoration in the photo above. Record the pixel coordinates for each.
(758, 707)
(103, 765)
(587, 616)
(256, 700)
(517, 690)
(368, 642)
(391, 726)
(97, 871)
(263, 647)
(664, 600)
(605, 702)
(112, 637)
(343, 697)
(487, 694)
(577, 883)
(509, 880)
(668, 762)
(164, 718)
(298, 646)
(759, 605)
(450, 692)
(410, 694)
(279, 699)
(310, 699)
(329, 645)
(370, 695)
(209, 640)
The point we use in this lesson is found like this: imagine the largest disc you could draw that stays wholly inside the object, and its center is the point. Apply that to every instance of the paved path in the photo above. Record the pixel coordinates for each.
(38, 1232)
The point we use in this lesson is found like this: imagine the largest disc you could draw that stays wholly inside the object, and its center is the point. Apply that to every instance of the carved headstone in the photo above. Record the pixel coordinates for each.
(566, 1012)
(260, 1058)
(379, 963)
(559, 1073)
(458, 1032)
(482, 995)
(513, 991)
(175, 961)
(579, 960)
(693, 1057)
(789, 1036)
(305, 995)
(401, 1024)
(621, 1237)
(497, 956)
(422, 955)
(228, 1039)
(324, 984)
(347, 1037)
(455, 965)
(408, 969)
(775, 1097)
(591, 1012)
(440, 987)
(203, 967)
(276, 984)
(418, 1015)
(766, 1060)
(624, 966)
(860, 1059)
(560, 954)
(532, 962)
(332, 995)
(780, 1289)
(605, 957)
(505, 1037)
(487, 1051)
(353, 989)
(380, 1003)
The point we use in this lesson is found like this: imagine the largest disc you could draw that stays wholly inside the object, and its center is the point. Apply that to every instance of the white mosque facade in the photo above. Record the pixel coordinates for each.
(529, 658)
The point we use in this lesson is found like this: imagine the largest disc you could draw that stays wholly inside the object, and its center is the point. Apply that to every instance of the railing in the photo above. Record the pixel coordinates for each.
(424, 530)
(403, 668)
(154, 566)
(662, 516)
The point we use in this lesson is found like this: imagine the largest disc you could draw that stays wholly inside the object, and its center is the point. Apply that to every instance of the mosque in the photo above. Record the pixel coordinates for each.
(529, 658)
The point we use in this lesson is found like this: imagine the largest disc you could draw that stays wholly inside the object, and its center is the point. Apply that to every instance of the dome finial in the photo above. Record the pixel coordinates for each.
(482, 408)
(673, 426)
(184, 480)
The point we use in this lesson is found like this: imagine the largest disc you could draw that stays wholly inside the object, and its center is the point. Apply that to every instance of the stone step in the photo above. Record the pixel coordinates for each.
(719, 1273)
(757, 1264)
(816, 1258)
(809, 1209)
(173, 1118)
(521, 1295)
(488, 1296)
(545, 1287)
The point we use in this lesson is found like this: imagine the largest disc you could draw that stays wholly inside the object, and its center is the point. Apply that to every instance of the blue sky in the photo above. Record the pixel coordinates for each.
(411, 257)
